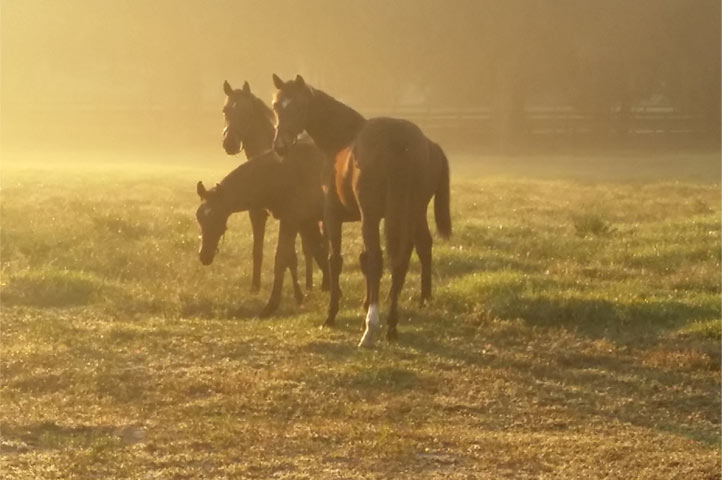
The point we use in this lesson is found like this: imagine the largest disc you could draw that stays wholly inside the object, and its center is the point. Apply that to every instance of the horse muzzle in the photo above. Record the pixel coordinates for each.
(206, 257)
(230, 144)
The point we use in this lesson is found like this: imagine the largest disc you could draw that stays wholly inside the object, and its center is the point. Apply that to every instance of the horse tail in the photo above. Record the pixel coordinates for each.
(442, 196)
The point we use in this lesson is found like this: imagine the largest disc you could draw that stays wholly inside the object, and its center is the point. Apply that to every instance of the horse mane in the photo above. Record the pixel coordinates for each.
(326, 99)
(334, 124)
(261, 106)
(260, 130)
(231, 178)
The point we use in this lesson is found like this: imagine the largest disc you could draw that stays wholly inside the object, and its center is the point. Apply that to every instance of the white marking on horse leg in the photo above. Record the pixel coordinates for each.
(373, 323)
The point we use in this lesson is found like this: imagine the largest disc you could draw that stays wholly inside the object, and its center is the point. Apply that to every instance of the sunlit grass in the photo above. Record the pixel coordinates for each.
(574, 332)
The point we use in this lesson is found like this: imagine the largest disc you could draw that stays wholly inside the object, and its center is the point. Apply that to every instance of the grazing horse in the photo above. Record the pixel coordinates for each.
(289, 189)
(377, 168)
(249, 127)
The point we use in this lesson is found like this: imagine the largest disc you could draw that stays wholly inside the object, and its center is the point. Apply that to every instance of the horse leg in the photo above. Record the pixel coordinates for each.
(398, 277)
(284, 253)
(335, 264)
(373, 262)
(293, 267)
(318, 249)
(422, 244)
(308, 250)
(322, 256)
(362, 263)
(258, 224)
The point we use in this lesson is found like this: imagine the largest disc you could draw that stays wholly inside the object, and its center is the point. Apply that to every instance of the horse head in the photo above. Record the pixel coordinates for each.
(237, 112)
(291, 104)
(212, 216)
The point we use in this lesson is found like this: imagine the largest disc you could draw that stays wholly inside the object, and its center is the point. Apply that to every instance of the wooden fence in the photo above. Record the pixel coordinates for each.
(468, 126)
(551, 120)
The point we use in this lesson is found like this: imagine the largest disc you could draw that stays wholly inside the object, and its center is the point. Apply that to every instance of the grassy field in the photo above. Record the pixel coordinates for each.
(574, 332)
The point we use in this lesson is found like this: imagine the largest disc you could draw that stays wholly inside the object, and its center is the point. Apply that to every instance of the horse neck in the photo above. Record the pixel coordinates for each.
(235, 194)
(259, 137)
(331, 124)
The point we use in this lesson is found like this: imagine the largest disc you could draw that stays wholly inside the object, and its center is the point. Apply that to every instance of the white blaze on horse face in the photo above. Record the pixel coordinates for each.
(207, 211)
(285, 102)
(373, 323)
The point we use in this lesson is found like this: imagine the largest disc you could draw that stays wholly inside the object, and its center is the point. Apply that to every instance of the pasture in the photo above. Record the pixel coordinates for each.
(574, 331)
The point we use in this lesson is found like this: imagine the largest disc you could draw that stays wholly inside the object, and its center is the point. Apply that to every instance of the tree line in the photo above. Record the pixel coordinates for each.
(601, 57)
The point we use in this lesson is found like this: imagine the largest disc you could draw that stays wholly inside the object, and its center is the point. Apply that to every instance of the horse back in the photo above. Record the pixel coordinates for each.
(287, 187)
(392, 147)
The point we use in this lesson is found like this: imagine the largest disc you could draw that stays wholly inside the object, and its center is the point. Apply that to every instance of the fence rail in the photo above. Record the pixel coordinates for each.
(476, 126)
(551, 121)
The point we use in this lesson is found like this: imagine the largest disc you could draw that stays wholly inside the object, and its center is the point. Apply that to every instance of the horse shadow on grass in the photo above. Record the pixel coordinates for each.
(237, 308)
(622, 323)
(607, 387)
(600, 387)
(599, 318)
(19, 439)
(592, 387)
(456, 263)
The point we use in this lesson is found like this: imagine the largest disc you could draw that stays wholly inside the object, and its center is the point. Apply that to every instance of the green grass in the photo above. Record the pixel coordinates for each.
(574, 333)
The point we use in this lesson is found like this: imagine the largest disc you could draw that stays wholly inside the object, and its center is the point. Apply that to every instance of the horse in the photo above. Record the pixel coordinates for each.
(249, 126)
(289, 189)
(375, 168)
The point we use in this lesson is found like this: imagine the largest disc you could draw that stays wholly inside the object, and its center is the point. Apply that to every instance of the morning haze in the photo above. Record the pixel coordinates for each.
(566, 327)
(134, 74)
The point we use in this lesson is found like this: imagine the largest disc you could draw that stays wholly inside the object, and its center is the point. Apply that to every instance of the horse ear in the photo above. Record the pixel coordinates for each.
(227, 88)
(246, 87)
(300, 81)
(217, 191)
(277, 81)
(202, 192)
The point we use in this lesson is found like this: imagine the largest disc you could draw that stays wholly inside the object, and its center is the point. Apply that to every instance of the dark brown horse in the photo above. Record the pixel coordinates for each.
(290, 190)
(249, 127)
(376, 168)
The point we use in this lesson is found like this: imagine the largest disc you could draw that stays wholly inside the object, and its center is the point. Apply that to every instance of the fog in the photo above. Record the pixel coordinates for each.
(481, 75)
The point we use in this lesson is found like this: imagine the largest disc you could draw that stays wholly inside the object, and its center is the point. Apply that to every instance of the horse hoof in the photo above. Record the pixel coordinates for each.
(366, 341)
(266, 312)
(328, 324)
(372, 326)
(392, 335)
(255, 288)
